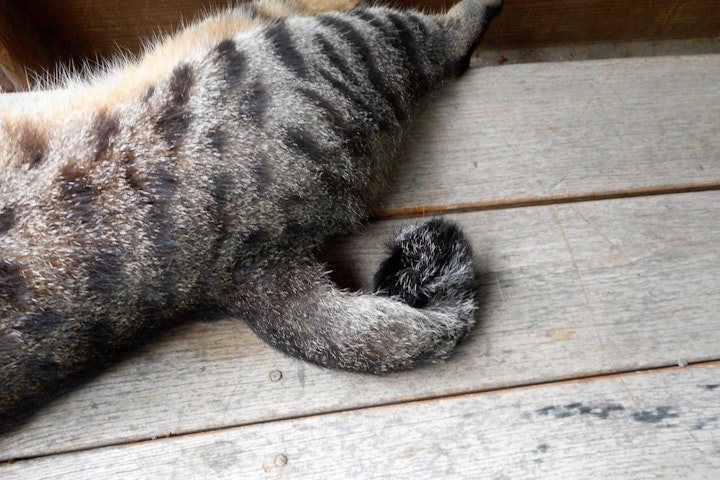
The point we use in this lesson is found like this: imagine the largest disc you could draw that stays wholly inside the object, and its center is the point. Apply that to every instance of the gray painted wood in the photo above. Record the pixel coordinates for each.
(519, 133)
(569, 291)
(648, 425)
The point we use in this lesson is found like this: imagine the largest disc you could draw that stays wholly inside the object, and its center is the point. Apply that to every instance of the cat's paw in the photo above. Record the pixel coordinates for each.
(429, 266)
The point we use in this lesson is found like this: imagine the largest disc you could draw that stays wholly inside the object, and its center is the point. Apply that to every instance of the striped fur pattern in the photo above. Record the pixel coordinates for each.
(206, 174)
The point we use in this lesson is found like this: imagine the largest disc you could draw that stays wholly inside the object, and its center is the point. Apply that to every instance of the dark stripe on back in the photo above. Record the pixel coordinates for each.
(233, 61)
(414, 59)
(38, 325)
(105, 274)
(132, 174)
(255, 101)
(334, 117)
(33, 145)
(104, 127)
(222, 187)
(174, 119)
(262, 172)
(419, 23)
(358, 44)
(257, 236)
(9, 350)
(12, 283)
(149, 93)
(326, 163)
(7, 219)
(162, 185)
(217, 137)
(284, 46)
(99, 335)
(355, 97)
(344, 85)
(156, 187)
(77, 193)
(354, 137)
(304, 143)
(336, 60)
(402, 38)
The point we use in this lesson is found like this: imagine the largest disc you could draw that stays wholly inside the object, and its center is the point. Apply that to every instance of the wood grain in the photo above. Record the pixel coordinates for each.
(569, 291)
(654, 425)
(534, 133)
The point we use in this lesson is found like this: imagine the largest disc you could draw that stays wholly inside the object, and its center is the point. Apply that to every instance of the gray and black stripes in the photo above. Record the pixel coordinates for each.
(368, 59)
(7, 219)
(12, 282)
(284, 48)
(34, 146)
(76, 192)
(233, 62)
(174, 119)
(106, 126)
(210, 180)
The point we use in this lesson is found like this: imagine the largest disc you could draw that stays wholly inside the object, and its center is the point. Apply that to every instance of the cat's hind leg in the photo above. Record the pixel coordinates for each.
(424, 305)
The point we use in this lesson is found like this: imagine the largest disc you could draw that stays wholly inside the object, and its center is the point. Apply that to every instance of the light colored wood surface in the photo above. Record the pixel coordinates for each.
(549, 132)
(654, 425)
(571, 290)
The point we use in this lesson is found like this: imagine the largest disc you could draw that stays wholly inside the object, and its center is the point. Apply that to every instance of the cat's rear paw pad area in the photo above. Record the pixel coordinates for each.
(429, 263)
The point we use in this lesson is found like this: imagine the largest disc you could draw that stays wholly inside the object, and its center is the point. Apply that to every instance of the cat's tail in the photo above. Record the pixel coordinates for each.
(424, 305)
(430, 267)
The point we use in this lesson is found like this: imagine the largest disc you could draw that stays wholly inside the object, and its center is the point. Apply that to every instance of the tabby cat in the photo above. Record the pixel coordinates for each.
(206, 174)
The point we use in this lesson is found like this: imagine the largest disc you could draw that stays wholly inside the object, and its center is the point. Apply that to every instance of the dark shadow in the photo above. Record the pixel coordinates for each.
(26, 409)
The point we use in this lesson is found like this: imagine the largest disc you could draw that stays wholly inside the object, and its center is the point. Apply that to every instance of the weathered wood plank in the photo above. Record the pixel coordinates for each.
(91, 28)
(652, 425)
(551, 131)
(569, 291)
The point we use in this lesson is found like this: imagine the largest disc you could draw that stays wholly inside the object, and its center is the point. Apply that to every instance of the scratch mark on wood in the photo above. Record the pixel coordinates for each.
(502, 296)
(629, 392)
(579, 276)
(601, 233)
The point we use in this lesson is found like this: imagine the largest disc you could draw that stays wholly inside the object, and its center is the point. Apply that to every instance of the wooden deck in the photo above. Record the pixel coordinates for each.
(590, 192)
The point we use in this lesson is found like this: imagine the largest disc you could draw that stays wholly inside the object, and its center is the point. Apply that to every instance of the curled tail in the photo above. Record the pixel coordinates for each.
(430, 267)
(424, 305)
(425, 291)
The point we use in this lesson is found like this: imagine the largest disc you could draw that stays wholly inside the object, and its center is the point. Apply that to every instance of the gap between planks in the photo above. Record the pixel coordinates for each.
(590, 377)
(420, 211)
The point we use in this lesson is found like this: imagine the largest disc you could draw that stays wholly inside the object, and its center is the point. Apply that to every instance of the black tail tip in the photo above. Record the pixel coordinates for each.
(428, 262)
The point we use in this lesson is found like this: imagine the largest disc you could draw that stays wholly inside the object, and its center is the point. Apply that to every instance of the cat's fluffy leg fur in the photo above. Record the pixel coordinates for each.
(423, 307)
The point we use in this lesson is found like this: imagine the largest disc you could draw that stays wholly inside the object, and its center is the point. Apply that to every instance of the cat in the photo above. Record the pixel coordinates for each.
(206, 175)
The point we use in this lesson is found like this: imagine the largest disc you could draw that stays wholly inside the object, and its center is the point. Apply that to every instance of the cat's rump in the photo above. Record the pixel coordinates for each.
(206, 174)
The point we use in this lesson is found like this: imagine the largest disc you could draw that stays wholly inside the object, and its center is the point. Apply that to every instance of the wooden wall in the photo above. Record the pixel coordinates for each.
(36, 34)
